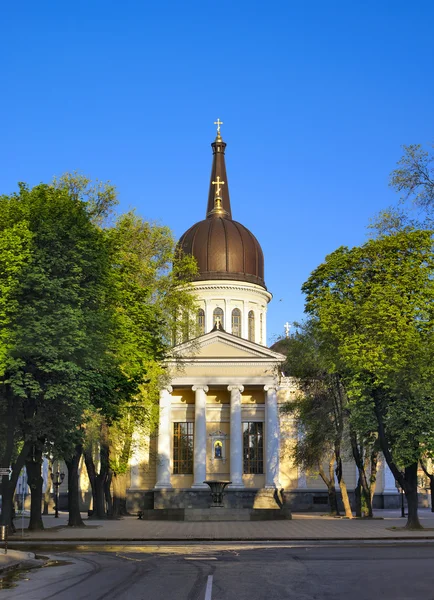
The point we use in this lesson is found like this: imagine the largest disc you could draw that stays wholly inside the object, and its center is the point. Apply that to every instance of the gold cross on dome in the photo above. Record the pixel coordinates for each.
(218, 123)
(218, 183)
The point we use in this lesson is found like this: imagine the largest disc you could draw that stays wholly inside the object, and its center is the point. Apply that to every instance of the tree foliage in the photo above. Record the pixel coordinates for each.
(376, 301)
(55, 320)
(413, 179)
(320, 410)
(148, 298)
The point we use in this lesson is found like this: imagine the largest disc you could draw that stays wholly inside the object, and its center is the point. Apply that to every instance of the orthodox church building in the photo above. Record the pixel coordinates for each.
(219, 415)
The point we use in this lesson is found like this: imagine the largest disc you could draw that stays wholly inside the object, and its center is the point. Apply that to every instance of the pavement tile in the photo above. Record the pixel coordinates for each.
(302, 527)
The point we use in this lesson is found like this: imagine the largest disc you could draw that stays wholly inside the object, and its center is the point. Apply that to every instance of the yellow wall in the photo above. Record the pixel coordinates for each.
(218, 396)
(184, 395)
(253, 396)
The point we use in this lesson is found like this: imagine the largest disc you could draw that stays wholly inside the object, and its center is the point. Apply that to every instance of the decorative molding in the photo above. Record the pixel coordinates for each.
(200, 387)
(239, 388)
(187, 381)
(243, 287)
(270, 388)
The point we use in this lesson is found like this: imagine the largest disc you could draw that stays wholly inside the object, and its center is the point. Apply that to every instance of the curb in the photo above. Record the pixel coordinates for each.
(23, 563)
(216, 539)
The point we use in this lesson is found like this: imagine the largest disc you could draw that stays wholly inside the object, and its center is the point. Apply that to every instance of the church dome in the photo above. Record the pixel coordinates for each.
(222, 247)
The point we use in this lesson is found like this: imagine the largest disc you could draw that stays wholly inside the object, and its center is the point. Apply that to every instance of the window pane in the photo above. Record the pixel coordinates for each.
(183, 445)
(253, 448)
(236, 322)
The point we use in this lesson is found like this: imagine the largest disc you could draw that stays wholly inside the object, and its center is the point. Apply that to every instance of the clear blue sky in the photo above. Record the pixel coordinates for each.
(316, 97)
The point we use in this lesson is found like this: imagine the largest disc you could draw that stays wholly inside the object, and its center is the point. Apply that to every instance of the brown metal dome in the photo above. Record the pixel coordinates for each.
(223, 248)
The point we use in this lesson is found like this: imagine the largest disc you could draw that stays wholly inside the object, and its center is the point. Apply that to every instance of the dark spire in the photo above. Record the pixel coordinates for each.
(218, 197)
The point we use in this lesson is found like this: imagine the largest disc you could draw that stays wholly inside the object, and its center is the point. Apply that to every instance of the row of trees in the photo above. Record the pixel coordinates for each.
(88, 305)
(365, 355)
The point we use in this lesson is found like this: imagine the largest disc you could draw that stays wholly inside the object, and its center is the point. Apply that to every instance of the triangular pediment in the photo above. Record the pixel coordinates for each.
(221, 345)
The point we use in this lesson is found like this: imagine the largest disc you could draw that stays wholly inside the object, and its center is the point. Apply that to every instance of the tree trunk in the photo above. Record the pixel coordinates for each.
(99, 511)
(410, 489)
(331, 488)
(74, 519)
(8, 506)
(91, 473)
(107, 494)
(102, 477)
(333, 500)
(373, 476)
(9, 485)
(35, 482)
(358, 498)
(342, 484)
(345, 499)
(119, 495)
(363, 501)
(431, 487)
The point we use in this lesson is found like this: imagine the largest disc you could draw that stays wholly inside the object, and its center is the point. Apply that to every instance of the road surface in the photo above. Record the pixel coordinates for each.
(237, 571)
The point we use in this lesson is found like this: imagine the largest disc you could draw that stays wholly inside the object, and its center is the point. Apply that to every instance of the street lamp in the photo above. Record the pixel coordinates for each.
(57, 478)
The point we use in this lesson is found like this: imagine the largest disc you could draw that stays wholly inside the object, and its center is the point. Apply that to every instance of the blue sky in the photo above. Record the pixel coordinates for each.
(316, 99)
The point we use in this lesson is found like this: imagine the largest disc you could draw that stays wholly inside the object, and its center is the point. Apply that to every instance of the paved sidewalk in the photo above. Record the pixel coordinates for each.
(387, 525)
(303, 526)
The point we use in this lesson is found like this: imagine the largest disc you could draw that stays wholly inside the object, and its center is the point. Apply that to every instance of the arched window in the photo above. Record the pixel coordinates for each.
(251, 326)
(236, 322)
(217, 318)
(201, 321)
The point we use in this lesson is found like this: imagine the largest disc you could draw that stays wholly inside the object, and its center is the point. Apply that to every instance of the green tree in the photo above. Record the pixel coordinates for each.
(99, 197)
(376, 300)
(53, 327)
(320, 410)
(150, 289)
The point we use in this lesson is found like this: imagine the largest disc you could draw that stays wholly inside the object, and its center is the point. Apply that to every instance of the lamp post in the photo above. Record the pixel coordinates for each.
(57, 479)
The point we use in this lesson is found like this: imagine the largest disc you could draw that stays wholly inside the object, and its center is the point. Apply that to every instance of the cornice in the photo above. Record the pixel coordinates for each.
(216, 285)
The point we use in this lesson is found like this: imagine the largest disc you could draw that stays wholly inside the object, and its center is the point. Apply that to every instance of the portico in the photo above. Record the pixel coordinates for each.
(241, 406)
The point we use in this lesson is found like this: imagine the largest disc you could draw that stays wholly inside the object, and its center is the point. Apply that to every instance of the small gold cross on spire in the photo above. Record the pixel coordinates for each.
(218, 123)
(218, 183)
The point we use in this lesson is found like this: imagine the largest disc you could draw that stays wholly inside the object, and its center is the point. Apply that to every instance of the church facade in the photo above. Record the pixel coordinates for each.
(219, 415)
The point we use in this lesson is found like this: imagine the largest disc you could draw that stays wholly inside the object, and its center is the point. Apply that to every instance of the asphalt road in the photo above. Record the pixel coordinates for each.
(246, 571)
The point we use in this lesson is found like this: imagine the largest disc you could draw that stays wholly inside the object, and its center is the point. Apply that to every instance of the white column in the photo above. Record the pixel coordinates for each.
(272, 438)
(236, 436)
(200, 436)
(164, 441)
